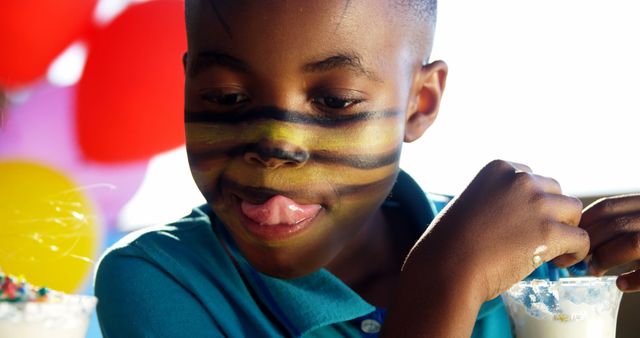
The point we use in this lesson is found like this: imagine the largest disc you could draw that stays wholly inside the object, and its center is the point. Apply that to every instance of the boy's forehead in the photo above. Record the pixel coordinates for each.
(328, 21)
(281, 37)
(332, 10)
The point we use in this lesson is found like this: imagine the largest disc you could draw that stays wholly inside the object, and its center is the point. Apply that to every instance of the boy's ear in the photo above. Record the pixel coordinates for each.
(425, 99)
(184, 62)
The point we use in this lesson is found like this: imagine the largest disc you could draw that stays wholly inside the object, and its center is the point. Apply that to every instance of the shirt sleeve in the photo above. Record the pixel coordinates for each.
(137, 299)
(493, 321)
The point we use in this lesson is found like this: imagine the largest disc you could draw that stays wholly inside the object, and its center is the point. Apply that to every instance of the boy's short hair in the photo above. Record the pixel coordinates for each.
(424, 11)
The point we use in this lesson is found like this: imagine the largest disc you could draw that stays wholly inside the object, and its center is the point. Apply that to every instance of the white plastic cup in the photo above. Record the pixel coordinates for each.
(580, 307)
(61, 316)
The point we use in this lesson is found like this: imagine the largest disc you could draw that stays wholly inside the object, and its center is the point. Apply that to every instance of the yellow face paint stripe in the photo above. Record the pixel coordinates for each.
(353, 160)
(355, 139)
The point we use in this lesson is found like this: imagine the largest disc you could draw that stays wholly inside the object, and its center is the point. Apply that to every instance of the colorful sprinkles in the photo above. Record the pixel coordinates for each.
(16, 290)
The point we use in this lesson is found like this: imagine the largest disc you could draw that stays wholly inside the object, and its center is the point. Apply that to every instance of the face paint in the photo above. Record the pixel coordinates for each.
(324, 142)
(276, 114)
(222, 149)
(265, 136)
(298, 140)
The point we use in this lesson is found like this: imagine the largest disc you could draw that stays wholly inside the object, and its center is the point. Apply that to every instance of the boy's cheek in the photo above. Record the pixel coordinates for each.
(205, 178)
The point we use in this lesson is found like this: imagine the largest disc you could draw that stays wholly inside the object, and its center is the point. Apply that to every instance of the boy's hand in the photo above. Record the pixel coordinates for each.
(493, 232)
(613, 225)
(505, 224)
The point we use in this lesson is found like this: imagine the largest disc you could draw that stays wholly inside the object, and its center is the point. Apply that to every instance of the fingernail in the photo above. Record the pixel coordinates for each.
(623, 284)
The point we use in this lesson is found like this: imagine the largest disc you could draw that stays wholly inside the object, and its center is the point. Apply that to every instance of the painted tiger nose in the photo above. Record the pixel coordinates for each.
(275, 154)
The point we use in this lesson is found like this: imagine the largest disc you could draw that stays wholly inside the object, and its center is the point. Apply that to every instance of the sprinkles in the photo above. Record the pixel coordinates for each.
(16, 290)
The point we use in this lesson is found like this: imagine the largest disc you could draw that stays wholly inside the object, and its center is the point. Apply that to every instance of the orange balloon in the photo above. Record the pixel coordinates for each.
(130, 98)
(48, 227)
(34, 32)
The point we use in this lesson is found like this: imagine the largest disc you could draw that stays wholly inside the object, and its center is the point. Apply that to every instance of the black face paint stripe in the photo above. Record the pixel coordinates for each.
(272, 113)
(262, 194)
(367, 188)
(365, 161)
(266, 153)
(259, 194)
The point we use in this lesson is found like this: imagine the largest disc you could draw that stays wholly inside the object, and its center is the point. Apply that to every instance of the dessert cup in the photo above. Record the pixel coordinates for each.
(59, 316)
(580, 307)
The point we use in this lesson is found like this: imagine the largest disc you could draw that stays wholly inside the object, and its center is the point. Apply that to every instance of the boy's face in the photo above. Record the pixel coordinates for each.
(303, 100)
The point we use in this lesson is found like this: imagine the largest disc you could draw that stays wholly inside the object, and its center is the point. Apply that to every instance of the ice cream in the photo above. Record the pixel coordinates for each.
(585, 307)
(27, 311)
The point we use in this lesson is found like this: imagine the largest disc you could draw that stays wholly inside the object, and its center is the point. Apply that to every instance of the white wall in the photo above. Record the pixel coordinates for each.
(552, 84)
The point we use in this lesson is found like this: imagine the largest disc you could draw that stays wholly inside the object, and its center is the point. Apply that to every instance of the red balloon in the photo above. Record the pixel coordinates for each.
(34, 32)
(130, 98)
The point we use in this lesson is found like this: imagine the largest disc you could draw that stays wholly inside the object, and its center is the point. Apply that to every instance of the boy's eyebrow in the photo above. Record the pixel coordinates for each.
(207, 59)
(351, 61)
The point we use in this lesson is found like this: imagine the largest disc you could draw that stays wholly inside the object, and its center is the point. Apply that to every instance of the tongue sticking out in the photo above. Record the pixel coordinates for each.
(279, 210)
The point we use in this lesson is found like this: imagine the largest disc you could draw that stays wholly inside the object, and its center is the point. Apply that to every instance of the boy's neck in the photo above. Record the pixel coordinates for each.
(372, 260)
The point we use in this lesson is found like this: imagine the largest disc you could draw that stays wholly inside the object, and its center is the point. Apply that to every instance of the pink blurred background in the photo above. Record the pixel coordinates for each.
(93, 92)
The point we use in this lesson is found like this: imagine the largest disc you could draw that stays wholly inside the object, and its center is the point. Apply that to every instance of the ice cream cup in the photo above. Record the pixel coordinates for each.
(59, 316)
(580, 307)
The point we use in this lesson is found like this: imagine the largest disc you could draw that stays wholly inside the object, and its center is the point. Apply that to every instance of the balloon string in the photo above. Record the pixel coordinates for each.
(87, 187)
(3, 104)
(60, 254)
(71, 219)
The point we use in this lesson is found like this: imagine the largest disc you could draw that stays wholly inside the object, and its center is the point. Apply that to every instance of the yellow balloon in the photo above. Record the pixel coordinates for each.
(48, 227)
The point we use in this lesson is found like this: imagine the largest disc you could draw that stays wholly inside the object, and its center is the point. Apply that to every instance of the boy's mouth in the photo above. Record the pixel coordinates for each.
(279, 210)
(274, 215)
(277, 219)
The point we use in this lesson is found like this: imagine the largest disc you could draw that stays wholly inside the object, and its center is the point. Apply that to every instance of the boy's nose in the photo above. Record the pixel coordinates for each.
(275, 154)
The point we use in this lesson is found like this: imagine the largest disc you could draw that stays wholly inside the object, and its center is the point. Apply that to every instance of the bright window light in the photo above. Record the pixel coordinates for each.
(552, 84)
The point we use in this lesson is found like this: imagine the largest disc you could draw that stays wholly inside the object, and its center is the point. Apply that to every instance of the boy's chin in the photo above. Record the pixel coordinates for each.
(284, 273)
(286, 269)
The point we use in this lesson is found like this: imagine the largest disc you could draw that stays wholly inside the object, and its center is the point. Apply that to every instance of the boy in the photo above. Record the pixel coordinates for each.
(295, 115)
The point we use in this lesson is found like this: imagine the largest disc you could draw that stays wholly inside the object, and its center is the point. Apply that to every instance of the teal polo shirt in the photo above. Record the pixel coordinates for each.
(188, 279)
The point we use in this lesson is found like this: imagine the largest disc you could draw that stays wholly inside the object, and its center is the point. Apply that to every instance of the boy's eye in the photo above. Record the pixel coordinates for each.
(225, 99)
(336, 102)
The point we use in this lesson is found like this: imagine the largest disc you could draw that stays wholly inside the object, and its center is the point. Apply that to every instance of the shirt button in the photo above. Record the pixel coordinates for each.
(370, 326)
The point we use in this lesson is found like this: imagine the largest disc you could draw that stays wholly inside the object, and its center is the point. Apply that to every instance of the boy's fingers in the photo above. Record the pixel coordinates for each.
(565, 209)
(521, 167)
(606, 230)
(549, 185)
(610, 207)
(618, 251)
(629, 282)
(572, 245)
